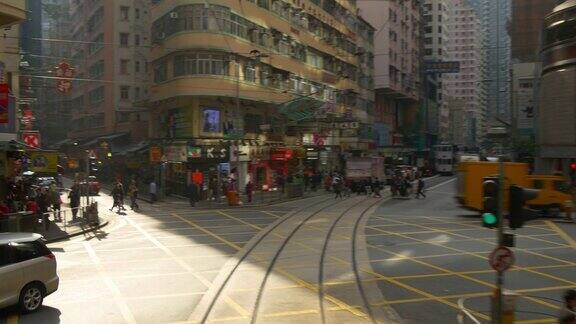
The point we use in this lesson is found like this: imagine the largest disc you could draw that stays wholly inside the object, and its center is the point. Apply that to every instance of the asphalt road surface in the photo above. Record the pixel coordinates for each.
(310, 261)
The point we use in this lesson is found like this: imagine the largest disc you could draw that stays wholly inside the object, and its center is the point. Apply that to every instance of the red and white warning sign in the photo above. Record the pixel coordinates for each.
(31, 138)
(501, 259)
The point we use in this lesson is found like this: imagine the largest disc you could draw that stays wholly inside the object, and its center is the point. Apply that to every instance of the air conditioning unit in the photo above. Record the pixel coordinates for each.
(174, 15)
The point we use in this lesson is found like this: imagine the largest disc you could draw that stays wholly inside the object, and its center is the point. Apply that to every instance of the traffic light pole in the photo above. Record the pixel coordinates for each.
(500, 274)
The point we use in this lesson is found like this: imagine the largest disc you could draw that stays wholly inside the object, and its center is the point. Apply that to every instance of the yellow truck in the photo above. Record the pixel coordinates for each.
(554, 197)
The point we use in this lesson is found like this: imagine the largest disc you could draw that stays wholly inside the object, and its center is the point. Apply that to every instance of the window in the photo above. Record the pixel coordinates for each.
(124, 39)
(97, 44)
(124, 66)
(29, 250)
(561, 186)
(137, 40)
(137, 67)
(137, 93)
(137, 13)
(124, 93)
(96, 95)
(249, 72)
(97, 69)
(161, 71)
(5, 257)
(201, 63)
(538, 184)
(124, 12)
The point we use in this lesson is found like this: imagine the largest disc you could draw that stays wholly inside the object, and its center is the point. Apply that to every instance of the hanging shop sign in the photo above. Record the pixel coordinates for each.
(176, 153)
(64, 74)
(346, 125)
(281, 154)
(44, 162)
(207, 152)
(4, 101)
(155, 154)
(31, 138)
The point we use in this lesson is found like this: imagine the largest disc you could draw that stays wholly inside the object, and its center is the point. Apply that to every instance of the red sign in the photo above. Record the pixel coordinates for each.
(32, 139)
(64, 74)
(501, 259)
(281, 154)
(155, 154)
(4, 101)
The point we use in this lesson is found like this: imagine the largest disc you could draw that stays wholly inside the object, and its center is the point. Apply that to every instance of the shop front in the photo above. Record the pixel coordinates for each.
(207, 166)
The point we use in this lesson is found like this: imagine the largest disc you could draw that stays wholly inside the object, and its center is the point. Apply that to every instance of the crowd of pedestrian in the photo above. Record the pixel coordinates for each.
(38, 201)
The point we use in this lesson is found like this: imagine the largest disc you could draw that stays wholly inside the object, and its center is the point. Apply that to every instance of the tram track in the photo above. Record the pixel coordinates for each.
(354, 209)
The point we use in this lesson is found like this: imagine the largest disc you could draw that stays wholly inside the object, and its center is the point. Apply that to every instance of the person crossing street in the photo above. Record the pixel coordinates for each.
(420, 189)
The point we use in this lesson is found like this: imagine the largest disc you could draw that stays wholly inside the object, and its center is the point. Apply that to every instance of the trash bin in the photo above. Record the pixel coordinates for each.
(233, 199)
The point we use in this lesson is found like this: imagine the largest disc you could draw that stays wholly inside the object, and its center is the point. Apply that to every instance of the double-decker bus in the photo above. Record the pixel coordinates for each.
(444, 159)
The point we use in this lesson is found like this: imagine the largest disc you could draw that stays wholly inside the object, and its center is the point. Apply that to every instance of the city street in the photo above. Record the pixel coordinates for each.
(305, 261)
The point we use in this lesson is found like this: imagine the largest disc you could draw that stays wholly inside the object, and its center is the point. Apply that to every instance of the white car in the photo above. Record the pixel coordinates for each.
(27, 271)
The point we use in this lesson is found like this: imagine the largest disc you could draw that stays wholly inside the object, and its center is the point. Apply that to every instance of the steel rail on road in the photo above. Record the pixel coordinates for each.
(283, 245)
(262, 236)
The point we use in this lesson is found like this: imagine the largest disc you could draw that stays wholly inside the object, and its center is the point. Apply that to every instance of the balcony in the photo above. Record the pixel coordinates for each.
(12, 12)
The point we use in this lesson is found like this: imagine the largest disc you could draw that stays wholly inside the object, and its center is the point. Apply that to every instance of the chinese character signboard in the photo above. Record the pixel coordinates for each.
(31, 139)
(4, 93)
(155, 154)
(442, 67)
(64, 74)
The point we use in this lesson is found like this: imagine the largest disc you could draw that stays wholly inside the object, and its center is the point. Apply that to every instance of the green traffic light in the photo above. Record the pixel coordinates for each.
(489, 219)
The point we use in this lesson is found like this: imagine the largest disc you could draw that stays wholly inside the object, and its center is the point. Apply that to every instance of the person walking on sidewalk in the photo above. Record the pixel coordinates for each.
(420, 189)
(193, 193)
(133, 194)
(117, 197)
(153, 191)
(249, 190)
(74, 197)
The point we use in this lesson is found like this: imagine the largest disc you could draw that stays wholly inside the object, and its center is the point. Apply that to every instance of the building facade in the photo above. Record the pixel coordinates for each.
(556, 116)
(437, 18)
(12, 13)
(238, 85)
(110, 55)
(495, 17)
(467, 45)
(397, 75)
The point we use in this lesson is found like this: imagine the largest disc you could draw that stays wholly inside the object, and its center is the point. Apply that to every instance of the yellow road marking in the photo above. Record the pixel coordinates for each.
(480, 256)
(118, 299)
(538, 321)
(13, 319)
(571, 242)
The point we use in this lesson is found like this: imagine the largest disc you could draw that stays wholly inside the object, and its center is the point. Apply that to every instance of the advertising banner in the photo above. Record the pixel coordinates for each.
(176, 153)
(155, 154)
(4, 93)
(44, 162)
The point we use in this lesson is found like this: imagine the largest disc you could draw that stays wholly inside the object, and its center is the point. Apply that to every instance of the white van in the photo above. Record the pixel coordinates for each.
(27, 271)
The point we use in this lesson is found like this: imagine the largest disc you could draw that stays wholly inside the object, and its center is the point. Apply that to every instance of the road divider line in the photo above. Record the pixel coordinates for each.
(571, 242)
(118, 299)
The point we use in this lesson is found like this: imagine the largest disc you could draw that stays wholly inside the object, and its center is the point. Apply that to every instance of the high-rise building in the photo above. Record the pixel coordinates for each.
(526, 28)
(556, 116)
(110, 58)
(12, 13)
(437, 15)
(495, 16)
(397, 71)
(467, 45)
(253, 87)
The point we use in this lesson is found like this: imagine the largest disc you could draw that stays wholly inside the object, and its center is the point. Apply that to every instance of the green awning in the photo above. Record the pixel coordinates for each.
(301, 108)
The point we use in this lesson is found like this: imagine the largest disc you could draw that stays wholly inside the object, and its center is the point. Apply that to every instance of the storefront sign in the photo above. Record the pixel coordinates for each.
(176, 153)
(44, 162)
(260, 152)
(346, 125)
(155, 154)
(240, 153)
(31, 138)
(64, 74)
(207, 152)
(4, 100)
(312, 155)
(281, 154)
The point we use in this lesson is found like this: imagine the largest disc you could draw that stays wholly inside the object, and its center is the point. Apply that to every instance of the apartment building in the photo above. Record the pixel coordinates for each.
(241, 78)
(110, 58)
(495, 17)
(467, 46)
(437, 15)
(12, 13)
(397, 70)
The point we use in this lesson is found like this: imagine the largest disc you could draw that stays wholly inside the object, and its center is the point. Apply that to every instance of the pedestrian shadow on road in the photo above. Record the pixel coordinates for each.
(44, 315)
